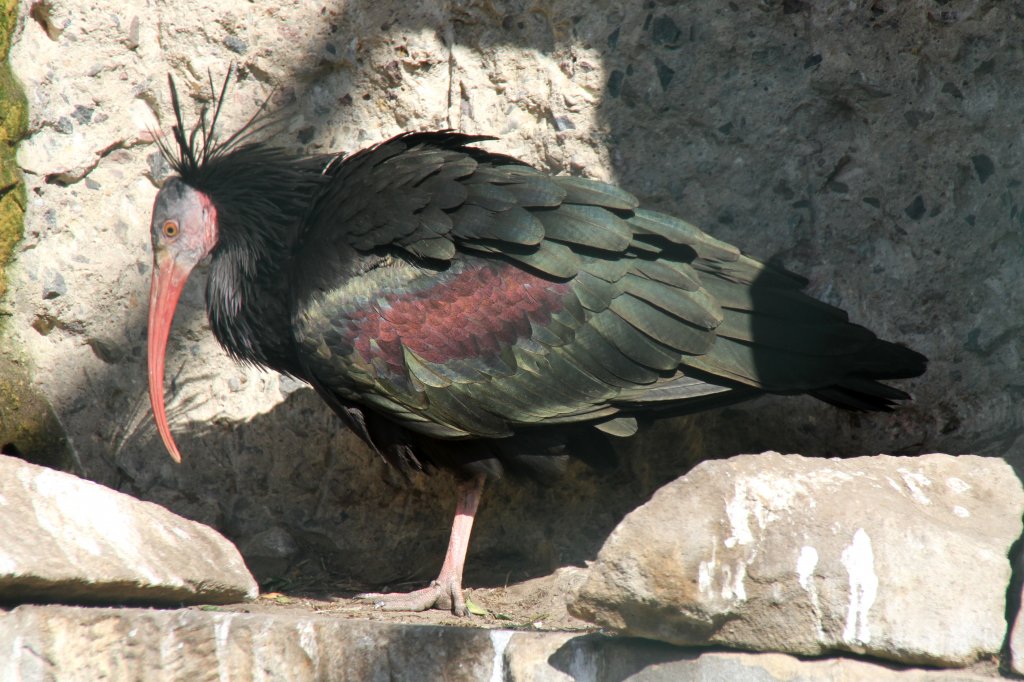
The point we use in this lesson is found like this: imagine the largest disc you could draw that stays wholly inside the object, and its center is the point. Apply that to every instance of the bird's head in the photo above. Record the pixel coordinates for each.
(184, 232)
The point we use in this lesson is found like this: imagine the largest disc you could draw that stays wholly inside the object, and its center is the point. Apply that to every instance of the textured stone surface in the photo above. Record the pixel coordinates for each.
(53, 642)
(135, 644)
(873, 147)
(69, 540)
(899, 558)
(554, 657)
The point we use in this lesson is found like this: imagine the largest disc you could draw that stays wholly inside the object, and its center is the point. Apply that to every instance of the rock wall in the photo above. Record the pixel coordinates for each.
(871, 146)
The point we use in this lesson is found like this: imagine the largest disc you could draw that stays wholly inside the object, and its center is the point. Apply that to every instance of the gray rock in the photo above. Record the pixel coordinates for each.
(895, 557)
(76, 643)
(235, 44)
(66, 539)
(270, 552)
(556, 657)
(54, 285)
(135, 644)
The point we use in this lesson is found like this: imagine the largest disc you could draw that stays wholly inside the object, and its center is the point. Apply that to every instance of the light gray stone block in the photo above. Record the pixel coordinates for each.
(66, 539)
(903, 558)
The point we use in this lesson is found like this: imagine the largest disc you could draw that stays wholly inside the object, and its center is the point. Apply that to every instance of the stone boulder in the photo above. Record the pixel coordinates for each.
(900, 558)
(70, 540)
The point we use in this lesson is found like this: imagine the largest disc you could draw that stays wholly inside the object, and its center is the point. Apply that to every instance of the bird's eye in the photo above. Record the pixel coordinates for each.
(170, 229)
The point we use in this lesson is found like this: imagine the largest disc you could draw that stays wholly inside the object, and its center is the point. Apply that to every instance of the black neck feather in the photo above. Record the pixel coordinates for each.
(261, 195)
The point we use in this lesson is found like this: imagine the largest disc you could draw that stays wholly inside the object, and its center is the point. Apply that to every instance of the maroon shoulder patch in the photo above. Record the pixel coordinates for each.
(475, 313)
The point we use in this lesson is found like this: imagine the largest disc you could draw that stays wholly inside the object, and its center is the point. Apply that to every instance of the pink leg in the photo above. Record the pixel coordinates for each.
(446, 591)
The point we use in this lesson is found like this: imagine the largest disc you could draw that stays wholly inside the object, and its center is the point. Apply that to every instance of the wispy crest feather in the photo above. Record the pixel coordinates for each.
(192, 151)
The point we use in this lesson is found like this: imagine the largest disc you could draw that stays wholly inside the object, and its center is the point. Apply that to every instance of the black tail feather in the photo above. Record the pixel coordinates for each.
(862, 389)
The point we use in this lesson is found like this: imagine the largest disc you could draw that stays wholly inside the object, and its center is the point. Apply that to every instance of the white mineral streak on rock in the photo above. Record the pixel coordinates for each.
(760, 497)
(179, 533)
(805, 565)
(17, 647)
(763, 499)
(859, 560)
(706, 570)
(7, 564)
(308, 639)
(961, 511)
(737, 512)
(221, 632)
(500, 640)
(916, 482)
(731, 576)
(732, 581)
(957, 485)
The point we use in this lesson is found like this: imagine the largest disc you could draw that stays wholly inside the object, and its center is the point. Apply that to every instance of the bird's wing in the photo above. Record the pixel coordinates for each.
(465, 294)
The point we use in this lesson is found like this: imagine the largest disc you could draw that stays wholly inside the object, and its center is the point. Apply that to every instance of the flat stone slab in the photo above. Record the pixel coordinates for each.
(902, 558)
(63, 642)
(66, 539)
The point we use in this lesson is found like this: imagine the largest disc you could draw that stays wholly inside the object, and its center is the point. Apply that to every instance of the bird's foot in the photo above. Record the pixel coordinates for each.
(440, 594)
(445, 592)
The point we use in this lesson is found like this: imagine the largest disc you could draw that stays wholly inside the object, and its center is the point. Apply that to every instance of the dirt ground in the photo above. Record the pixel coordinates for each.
(537, 604)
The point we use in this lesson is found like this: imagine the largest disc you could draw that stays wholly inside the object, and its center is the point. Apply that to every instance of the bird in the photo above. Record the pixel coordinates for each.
(462, 310)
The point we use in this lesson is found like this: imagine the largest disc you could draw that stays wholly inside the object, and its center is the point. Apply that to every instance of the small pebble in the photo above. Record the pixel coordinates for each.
(236, 44)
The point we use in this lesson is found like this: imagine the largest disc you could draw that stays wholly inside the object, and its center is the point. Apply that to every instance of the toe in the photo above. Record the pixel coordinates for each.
(420, 600)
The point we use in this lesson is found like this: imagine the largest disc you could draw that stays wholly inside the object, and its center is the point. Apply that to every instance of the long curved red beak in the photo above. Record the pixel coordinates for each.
(168, 281)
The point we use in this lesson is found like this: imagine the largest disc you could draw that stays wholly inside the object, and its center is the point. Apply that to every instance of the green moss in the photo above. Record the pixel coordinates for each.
(13, 120)
(28, 426)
